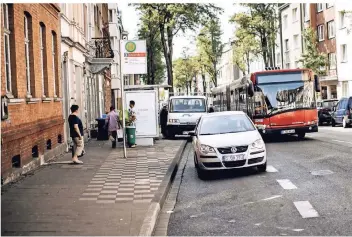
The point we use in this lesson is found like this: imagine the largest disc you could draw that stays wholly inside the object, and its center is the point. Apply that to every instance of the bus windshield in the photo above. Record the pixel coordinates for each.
(181, 105)
(280, 92)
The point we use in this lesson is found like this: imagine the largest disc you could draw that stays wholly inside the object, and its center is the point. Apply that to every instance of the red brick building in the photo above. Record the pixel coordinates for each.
(322, 18)
(32, 120)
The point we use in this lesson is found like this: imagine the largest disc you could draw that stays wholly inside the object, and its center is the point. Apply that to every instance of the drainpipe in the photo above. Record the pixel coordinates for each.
(66, 98)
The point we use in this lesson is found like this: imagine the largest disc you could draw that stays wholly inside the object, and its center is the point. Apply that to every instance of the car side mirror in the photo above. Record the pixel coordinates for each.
(192, 133)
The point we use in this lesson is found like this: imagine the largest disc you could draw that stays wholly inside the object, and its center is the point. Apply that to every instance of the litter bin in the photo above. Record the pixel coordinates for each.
(131, 135)
(102, 132)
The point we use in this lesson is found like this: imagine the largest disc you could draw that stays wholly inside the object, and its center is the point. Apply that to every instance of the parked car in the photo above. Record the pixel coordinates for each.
(325, 109)
(342, 113)
(227, 140)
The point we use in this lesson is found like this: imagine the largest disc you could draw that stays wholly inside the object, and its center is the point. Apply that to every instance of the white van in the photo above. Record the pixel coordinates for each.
(183, 114)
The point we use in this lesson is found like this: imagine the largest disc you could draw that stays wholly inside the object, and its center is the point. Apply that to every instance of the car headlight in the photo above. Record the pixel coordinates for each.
(174, 120)
(258, 144)
(206, 149)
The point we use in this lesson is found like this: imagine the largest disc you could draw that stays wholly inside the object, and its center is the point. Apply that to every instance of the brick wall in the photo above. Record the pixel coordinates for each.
(31, 123)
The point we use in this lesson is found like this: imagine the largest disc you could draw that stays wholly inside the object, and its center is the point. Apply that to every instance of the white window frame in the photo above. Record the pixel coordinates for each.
(321, 33)
(287, 45)
(331, 28)
(296, 41)
(342, 19)
(27, 56)
(294, 15)
(329, 5)
(53, 54)
(7, 52)
(332, 59)
(344, 54)
(320, 7)
(306, 12)
(285, 20)
(42, 47)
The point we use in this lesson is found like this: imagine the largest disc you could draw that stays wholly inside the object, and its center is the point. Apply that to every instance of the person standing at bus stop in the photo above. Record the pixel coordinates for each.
(132, 119)
(112, 123)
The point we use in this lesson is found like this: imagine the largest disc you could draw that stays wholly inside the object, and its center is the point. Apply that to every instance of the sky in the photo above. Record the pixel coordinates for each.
(130, 22)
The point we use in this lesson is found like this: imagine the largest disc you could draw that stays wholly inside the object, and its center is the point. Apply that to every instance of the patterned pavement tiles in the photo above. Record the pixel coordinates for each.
(135, 179)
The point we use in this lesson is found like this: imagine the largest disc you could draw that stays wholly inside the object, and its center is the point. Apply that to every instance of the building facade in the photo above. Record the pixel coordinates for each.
(31, 89)
(343, 13)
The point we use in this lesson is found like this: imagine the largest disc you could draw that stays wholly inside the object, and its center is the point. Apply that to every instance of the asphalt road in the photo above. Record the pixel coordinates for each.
(294, 200)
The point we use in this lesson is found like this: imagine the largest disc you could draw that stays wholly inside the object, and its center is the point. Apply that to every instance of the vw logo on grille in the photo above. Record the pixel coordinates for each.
(233, 149)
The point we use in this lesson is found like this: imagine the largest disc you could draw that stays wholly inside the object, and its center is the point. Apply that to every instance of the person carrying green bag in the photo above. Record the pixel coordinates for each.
(130, 122)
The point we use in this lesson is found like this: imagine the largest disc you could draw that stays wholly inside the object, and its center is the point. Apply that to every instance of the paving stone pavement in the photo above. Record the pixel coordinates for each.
(107, 195)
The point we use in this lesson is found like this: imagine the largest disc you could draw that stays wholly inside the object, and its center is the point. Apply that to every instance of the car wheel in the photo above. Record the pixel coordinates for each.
(195, 160)
(301, 135)
(262, 168)
(170, 135)
(320, 123)
(333, 123)
(202, 174)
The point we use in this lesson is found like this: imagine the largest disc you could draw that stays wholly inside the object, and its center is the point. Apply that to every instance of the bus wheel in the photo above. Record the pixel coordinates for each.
(301, 135)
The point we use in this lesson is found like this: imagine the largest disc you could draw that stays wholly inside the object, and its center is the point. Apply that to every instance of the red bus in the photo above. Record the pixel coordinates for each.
(278, 101)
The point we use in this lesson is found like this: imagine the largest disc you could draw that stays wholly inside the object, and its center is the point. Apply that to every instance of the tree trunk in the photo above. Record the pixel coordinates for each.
(204, 85)
(248, 63)
(167, 57)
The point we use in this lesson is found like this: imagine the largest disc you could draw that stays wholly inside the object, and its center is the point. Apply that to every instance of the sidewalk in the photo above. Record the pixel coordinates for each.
(107, 195)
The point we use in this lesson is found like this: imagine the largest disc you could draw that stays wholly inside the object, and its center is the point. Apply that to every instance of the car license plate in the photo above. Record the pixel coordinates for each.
(288, 131)
(233, 157)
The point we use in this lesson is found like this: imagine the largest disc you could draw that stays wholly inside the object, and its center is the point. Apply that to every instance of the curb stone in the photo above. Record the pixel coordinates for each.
(158, 201)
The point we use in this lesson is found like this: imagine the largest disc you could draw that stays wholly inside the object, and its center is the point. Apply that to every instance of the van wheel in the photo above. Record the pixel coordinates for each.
(333, 123)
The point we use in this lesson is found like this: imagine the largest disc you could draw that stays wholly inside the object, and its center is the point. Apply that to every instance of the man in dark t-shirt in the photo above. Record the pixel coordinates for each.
(76, 133)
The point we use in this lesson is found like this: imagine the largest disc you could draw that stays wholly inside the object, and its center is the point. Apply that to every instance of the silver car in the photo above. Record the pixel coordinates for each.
(227, 140)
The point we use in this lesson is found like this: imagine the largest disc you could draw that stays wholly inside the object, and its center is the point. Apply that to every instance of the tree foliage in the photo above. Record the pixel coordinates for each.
(149, 31)
(245, 49)
(210, 47)
(259, 21)
(185, 71)
(174, 18)
(312, 58)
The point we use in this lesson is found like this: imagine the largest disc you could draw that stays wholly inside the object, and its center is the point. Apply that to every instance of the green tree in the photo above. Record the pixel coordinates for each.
(260, 21)
(312, 58)
(149, 31)
(174, 18)
(245, 49)
(210, 47)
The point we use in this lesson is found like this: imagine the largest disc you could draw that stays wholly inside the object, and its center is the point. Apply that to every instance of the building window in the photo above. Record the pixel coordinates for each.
(321, 33)
(54, 62)
(331, 29)
(285, 21)
(287, 59)
(296, 64)
(294, 15)
(342, 19)
(43, 60)
(319, 7)
(278, 59)
(345, 91)
(110, 16)
(7, 51)
(295, 41)
(328, 5)
(28, 53)
(332, 61)
(306, 11)
(344, 53)
(287, 46)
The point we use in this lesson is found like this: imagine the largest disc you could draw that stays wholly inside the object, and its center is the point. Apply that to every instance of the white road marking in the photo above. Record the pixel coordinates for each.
(271, 169)
(286, 184)
(298, 230)
(341, 141)
(306, 209)
(321, 172)
(273, 197)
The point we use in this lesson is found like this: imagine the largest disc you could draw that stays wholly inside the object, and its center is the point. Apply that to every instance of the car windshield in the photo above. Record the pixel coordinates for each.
(275, 93)
(225, 124)
(194, 105)
(328, 104)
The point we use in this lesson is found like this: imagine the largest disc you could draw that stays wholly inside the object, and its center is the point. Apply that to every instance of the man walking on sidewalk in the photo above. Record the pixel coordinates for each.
(112, 122)
(76, 132)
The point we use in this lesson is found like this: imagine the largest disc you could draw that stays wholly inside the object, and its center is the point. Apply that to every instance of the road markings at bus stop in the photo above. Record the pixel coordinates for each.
(306, 209)
(341, 141)
(271, 169)
(286, 184)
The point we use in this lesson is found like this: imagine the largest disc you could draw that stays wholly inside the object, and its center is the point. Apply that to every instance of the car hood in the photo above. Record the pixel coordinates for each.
(230, 139)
